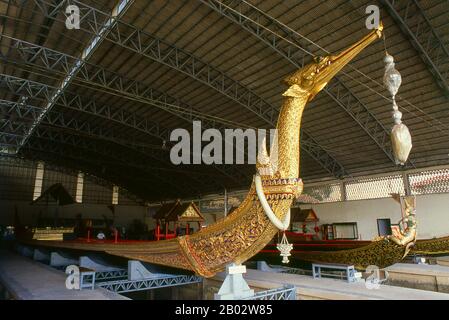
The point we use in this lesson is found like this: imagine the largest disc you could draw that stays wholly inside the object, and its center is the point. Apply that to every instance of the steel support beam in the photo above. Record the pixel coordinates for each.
(123, 160)
(111, 275)
(65, 146)
(8, 141)
(104, 28)
(36, 56)
(149, 46)
(36, 90)
(96, 77)
(23, 87)
(55, 164)
(161, 281)
(416, 27)
(58, 121)
(27, 113)
(291, 46)
(11, 133)
(24, 114)
(93, 170)
(12, 127)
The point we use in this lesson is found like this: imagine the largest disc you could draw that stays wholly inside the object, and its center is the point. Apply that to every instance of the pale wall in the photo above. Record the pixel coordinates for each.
(432, 214)
(124, 214)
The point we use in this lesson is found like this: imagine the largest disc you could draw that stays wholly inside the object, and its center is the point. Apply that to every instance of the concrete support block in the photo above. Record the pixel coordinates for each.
(443, 261)
(41, 255)
(263, 266)
(234, 286)
(137, 271)
(25, 251)
(96, 263)
(59, 259)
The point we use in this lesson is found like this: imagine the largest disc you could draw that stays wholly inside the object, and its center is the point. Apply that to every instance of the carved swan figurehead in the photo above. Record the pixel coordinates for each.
(314, 76)
(281, 180)
(303, 86)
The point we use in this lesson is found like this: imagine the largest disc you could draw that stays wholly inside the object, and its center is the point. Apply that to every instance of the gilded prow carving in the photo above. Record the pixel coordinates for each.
(242, 234)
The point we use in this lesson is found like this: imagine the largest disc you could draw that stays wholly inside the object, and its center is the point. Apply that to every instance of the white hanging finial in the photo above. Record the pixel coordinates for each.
(285, 248)
(392, 77)
(401, 140)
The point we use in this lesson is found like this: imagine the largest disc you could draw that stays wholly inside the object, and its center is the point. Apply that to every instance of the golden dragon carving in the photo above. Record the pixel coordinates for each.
(247, 230)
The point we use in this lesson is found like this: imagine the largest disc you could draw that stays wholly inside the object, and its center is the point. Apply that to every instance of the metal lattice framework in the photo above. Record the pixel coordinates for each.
(92, 175)
(12, 128)
(8, 142)
(374, 188)
(149, 46)
(429, 182)
(108, 275)
(36, 90)
(162, 281)
(65, 98)
(32, 89)
(415, 182)
(417, 27)
(47, 143)
(118, 11)
(97, 77)
(82, 148)
(293, 48)
(105, 178)
(53, 120)
(29, 113)
(287, 292)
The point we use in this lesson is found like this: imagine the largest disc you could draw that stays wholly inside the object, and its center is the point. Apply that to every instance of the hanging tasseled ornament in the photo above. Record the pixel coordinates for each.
(401, 139)
(284, 247)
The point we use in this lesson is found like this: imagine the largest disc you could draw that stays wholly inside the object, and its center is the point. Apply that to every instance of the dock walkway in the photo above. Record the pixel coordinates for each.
(25, 279)
(331, 289)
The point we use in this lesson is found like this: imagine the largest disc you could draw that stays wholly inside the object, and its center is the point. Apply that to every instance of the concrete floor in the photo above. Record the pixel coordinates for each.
(30, 280)
(26, 279)
(330, 289)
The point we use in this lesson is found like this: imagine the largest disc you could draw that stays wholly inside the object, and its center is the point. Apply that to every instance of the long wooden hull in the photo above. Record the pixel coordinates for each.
(361, 254)
(437, 246)
(236, 238)
(246, 231)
